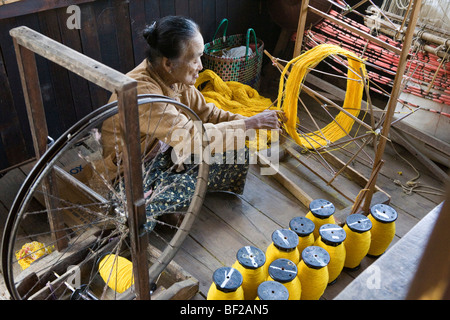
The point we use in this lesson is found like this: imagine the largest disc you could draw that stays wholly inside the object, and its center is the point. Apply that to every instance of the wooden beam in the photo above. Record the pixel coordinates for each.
(394, 95)
(15, 8)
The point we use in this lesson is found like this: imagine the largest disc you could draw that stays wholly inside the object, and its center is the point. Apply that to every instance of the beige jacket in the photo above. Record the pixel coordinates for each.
(164, 117)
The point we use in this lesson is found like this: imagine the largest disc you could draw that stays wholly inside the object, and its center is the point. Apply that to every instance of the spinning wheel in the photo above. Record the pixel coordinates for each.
(72, 210)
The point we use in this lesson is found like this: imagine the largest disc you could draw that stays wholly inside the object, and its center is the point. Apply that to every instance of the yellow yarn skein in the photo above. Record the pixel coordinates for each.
(117, 272)
(313, 272)
(235, 97)
(284, 245)
(383, 228)
(331, 239)
(250, 263)
(304, 228)
(321, 212)
(288, 95)
(227, 285)
(357, 243)
(231, 96)
(285, 272)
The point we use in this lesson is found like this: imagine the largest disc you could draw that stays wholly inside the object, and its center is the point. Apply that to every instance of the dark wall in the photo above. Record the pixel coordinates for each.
(110, 32)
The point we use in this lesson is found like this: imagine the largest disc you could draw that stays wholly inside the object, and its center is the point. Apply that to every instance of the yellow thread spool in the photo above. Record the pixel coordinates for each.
(284, 245)
(313, 272)
(272, 290)
(117, 272)
(321, 212)
(227, 285)
(331, 239)
(383, 228)
(250, 263)
(285, 272)
(304, 228)
(357, 243)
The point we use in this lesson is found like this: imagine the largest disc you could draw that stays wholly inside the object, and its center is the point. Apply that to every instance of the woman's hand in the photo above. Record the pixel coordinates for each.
(268, 119)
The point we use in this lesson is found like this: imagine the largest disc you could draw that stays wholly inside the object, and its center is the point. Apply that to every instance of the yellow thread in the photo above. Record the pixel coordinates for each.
(304, 242)
(216, 294)
(288, 95)
(318, 222)
(273, 253)
(337, 258)
(231, 96)
(117, 272)
(314, 281)
(357, 246)
(235, 97)
(252, 278)
(30, 252)
(382, 235)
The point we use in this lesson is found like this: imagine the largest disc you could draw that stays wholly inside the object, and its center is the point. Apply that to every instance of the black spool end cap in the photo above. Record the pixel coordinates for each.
(282, 270)
(383, 213)
(358, 223)
(302, 226)
(251, 257)
(315, 257)
(272, 290)
(332, 234)
(322, 208)
(285, 239)
(227, 279)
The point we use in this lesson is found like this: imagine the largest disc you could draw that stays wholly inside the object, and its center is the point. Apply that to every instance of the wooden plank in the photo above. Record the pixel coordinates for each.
(91, 48)
(298, 192)
(62, 113)
(74, 61)
(24, 7)
(435, 169)
(403, 255)
(79, 87)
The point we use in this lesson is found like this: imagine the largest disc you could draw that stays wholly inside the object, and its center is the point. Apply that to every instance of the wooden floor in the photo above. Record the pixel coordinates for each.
(227, 221)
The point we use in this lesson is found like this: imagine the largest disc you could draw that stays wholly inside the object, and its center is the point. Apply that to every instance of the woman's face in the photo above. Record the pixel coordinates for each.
(186, 68)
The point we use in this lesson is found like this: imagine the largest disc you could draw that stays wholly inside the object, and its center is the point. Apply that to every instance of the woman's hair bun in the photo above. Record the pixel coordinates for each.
(150, 35)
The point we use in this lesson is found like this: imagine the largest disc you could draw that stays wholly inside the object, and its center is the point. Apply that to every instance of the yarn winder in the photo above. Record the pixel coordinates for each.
(226, 221)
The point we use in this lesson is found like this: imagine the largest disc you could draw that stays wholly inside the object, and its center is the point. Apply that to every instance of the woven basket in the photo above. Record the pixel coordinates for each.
(246, 69)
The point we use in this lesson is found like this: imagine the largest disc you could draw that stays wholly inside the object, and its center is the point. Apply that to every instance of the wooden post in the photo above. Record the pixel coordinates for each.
(27, 42)
(301, 27)
(394, 96)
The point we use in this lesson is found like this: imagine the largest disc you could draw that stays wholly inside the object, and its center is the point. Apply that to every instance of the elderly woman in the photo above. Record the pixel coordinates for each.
(171, 69)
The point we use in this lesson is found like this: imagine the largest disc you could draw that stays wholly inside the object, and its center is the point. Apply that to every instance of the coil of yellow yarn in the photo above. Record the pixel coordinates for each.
(117, 272)
(227, 285)
(284, 245)
(331, 239)
(288, 95)
(272, 290)
(231, 96)
(30, 252)
(321, 212)
(357, 243)
(304, 228)
(383, 228)
(285, 271)
(250, 263)
(313, 272)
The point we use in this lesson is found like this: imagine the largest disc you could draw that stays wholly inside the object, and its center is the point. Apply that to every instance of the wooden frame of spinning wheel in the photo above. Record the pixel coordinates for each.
(27, 43)
(370, 183)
